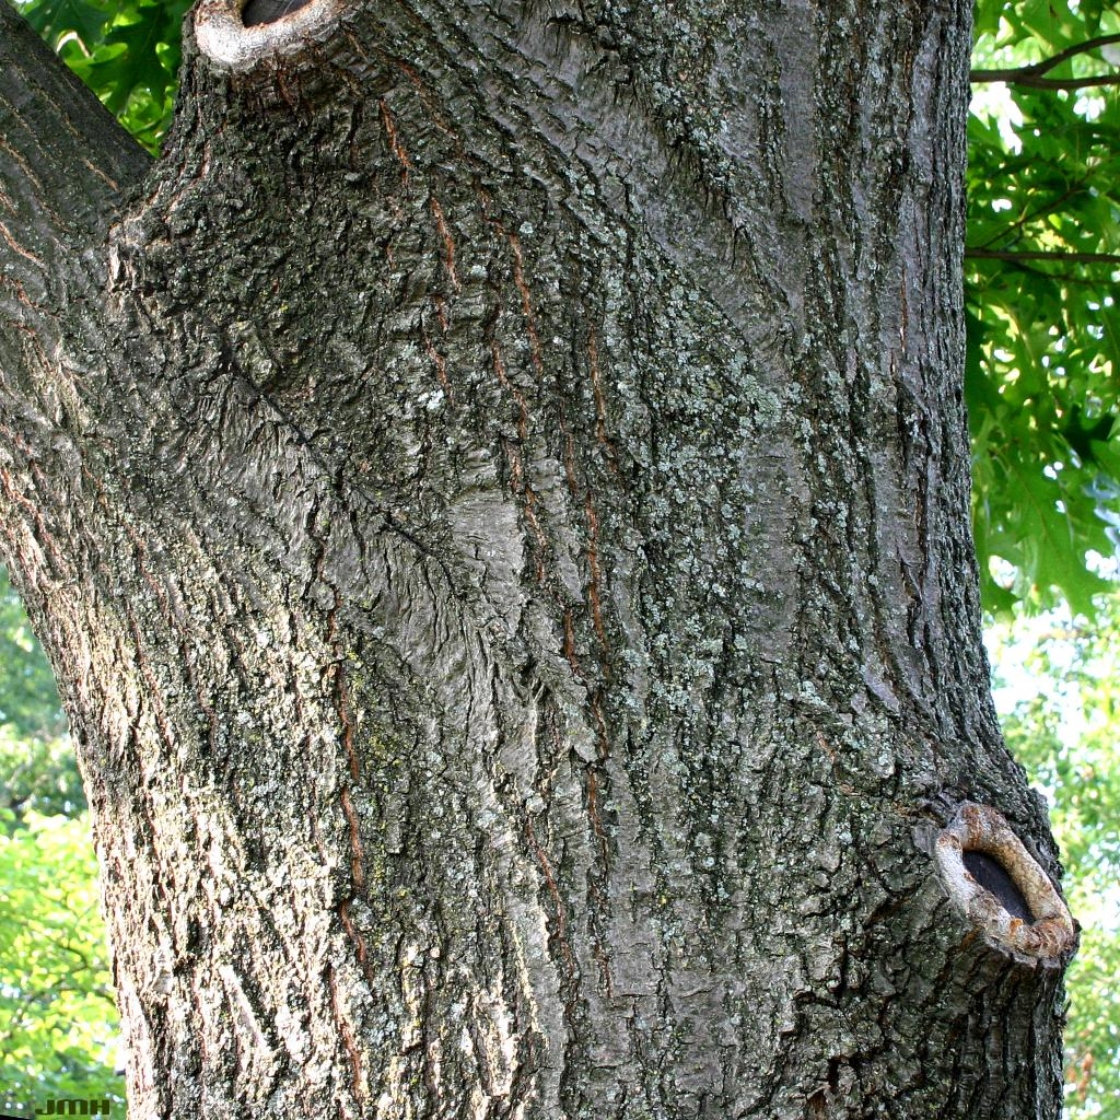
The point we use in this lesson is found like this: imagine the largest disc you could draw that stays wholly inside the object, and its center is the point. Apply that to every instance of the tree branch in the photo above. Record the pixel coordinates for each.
(1066, 83)
(65, 166)
(64, 160)
(1031, 76)
(1063, 255)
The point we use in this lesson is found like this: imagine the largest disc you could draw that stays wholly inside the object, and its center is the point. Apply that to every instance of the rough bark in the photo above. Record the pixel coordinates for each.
(495, 494)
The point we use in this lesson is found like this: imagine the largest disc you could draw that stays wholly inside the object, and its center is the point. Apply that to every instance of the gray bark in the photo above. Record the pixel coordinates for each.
(495, 494)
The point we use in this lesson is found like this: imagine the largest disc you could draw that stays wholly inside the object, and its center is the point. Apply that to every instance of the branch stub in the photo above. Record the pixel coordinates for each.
(990, 901)
(224, 37)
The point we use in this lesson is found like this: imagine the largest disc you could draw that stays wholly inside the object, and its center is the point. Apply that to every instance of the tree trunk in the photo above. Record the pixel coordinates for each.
(495, 494)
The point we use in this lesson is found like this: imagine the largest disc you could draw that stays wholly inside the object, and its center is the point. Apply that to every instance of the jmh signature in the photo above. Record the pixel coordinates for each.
(73, 1107)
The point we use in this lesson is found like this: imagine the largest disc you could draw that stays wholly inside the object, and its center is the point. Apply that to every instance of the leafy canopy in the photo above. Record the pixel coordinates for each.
(1042, 265)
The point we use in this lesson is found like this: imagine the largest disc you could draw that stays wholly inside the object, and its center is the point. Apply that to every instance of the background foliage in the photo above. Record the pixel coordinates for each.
(1043, 389)
(58, 1019)
(1043, 262)
(1057, 685)
(127, 51)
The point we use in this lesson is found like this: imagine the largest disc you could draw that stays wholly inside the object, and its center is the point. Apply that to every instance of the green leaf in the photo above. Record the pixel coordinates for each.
(56, 19)
(57, 1015)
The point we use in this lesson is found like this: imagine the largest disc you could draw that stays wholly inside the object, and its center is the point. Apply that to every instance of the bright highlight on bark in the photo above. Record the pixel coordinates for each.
(1001, 888)
(239, 34)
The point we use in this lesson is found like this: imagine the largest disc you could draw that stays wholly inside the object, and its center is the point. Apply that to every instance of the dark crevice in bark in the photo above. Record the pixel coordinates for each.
(269, 11)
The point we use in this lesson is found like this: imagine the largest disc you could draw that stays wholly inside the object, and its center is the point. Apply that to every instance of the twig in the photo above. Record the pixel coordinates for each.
(1043, 255)
(1053, 204)
(1032, 75)
(1066, 83)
